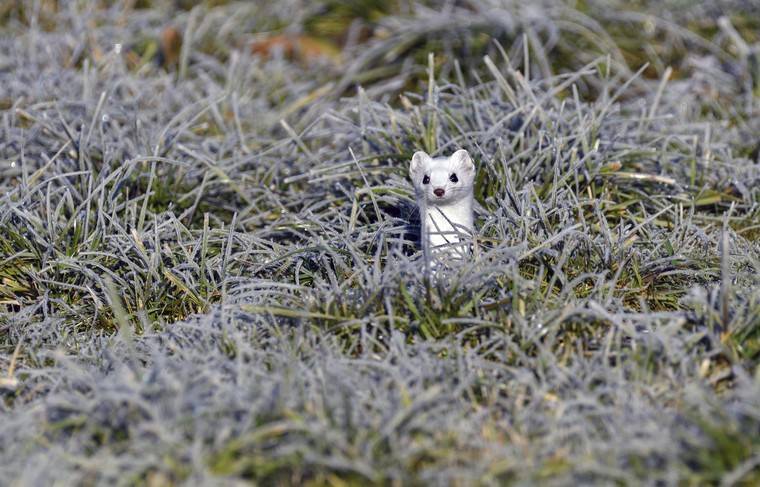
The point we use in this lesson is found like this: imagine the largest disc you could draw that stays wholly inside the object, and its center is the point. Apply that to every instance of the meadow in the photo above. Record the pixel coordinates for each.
(208, 266)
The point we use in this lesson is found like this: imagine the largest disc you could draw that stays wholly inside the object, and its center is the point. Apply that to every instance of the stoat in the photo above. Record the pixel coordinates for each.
(444, 190)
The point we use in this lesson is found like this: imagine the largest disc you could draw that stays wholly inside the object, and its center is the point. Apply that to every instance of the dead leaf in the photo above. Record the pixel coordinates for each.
(171, 45)
(297, 47)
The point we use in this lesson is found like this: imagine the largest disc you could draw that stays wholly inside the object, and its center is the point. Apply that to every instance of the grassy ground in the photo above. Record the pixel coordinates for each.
(205, 267)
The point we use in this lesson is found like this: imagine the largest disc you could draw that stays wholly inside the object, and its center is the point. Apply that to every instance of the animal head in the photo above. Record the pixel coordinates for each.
(442, 180)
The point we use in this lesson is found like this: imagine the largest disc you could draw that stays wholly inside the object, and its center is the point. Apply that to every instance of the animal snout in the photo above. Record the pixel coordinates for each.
(439, 192)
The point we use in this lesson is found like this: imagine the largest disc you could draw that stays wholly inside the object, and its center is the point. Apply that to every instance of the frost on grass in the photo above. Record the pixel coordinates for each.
(206, 272)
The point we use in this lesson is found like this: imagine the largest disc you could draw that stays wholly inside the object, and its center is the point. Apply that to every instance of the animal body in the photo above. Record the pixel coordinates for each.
(444, 190)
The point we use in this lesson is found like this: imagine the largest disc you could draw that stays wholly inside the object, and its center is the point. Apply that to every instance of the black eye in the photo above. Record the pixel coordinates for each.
(453, 178)
(426, 179)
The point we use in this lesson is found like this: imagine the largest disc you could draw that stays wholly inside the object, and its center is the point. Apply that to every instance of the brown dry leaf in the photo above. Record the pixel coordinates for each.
(171, 45)
(298, 47)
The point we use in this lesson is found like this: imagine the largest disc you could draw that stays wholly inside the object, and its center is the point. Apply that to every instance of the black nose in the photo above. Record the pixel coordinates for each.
(439, 192)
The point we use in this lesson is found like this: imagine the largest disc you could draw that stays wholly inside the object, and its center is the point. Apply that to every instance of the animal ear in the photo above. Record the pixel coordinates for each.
(462, 159)
(418, 161)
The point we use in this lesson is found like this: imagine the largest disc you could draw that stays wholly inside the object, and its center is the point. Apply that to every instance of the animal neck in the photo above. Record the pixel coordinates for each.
(458, 213)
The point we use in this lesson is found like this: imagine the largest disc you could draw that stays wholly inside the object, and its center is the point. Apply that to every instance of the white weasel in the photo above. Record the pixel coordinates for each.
(444, 191)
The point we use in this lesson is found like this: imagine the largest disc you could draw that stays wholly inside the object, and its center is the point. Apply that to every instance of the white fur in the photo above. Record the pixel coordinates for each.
(447, 220)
